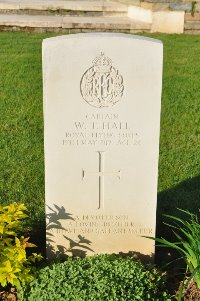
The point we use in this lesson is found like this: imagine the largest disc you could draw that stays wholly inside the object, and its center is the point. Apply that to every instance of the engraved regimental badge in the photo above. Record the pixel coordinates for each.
(102, 85)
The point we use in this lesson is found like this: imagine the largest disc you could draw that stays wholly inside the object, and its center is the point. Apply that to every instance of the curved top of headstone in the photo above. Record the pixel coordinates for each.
(101, 35)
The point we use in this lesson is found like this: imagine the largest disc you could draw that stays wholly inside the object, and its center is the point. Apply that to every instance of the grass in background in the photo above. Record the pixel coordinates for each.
(22, 167)
(179, 162)
(22, 155)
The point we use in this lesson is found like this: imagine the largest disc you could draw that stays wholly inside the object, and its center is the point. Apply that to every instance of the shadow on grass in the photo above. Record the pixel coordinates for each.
(185, 196)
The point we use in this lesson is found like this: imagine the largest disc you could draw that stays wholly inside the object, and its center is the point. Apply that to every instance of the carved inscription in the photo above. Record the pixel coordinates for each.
(102, 85)
(104, 225)
(101, 130)
(101, 174)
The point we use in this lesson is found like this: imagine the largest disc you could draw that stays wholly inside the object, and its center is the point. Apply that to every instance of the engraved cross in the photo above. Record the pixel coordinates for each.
(101, 174)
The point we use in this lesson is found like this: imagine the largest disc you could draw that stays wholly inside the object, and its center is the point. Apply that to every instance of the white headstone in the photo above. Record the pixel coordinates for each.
(102, 100)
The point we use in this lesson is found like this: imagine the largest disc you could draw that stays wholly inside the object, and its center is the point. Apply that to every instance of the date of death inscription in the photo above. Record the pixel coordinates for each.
(103, 224)
(101, 130)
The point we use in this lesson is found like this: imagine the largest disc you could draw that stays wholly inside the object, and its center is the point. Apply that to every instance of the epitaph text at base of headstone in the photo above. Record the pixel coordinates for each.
(102, 99)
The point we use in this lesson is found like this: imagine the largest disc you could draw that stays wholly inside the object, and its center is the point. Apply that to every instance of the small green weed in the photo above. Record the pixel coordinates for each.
(193, 8)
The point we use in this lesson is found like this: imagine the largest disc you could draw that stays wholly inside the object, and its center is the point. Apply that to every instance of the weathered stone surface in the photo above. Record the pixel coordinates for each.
(99, 15)
(155, 6)
(64, 5)
(140, 26)
(181, 6)
(194, 32)
(140, 14)
(103, 23)
(113, 6)
(102, 99)
(30, 21)
(147, 5)
(189, 17)
(168, 22)
(160, 6)
(163, 1)
(186, 1)
(192, 25)
(197, 7)
(9, 5)
(129, 2)
(98, 23)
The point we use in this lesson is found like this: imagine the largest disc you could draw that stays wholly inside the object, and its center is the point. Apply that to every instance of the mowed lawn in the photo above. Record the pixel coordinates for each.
(22, 153)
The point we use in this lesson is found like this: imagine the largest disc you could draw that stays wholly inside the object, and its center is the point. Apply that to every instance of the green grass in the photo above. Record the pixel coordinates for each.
(22, 158)
(180, 132)
(179, 163)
